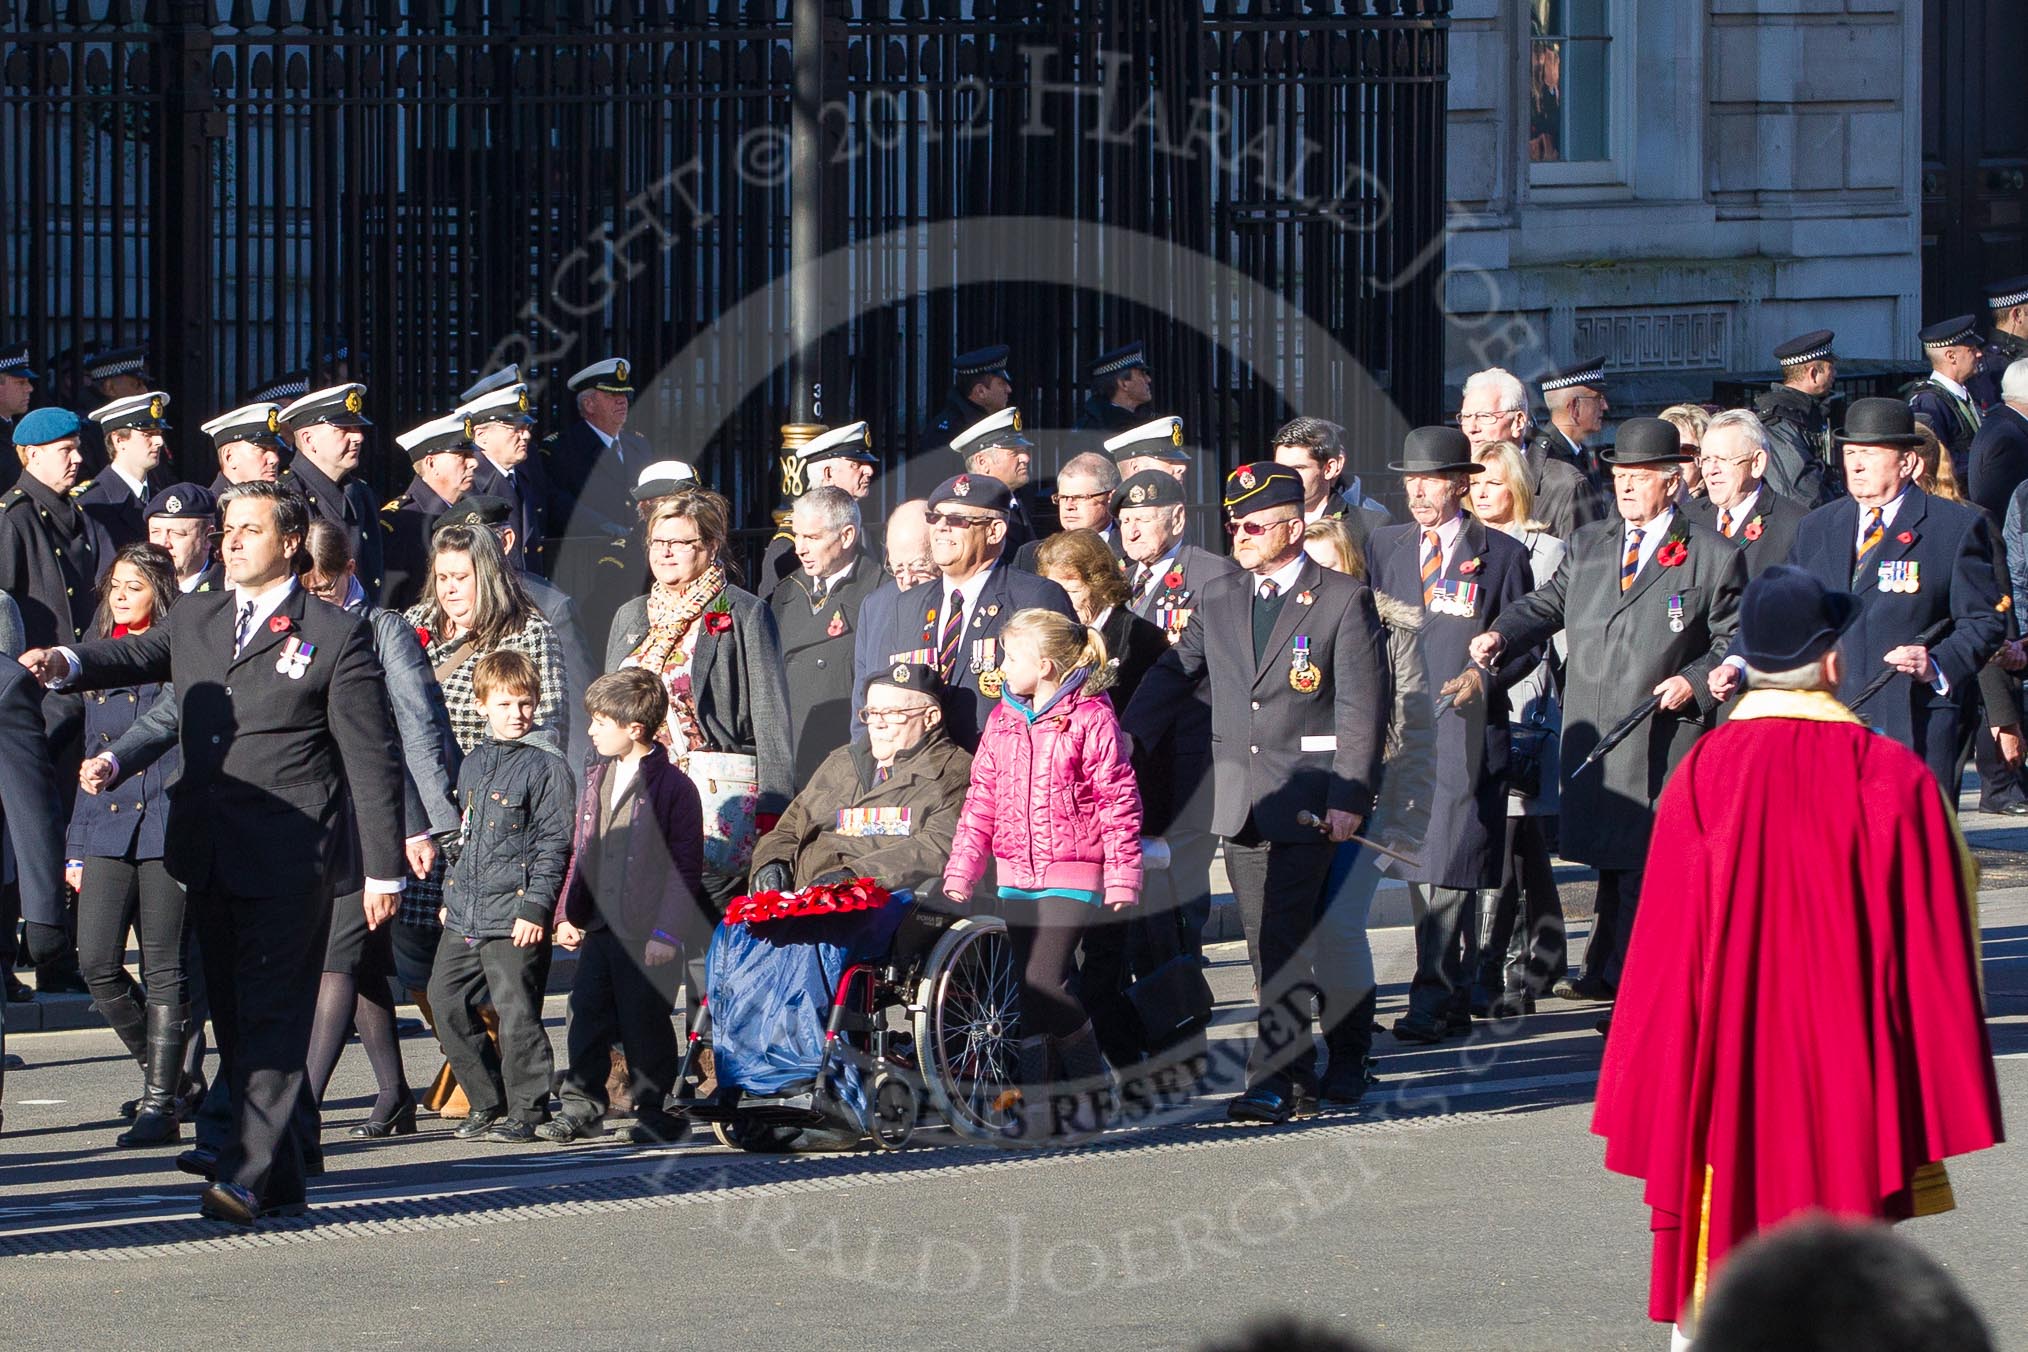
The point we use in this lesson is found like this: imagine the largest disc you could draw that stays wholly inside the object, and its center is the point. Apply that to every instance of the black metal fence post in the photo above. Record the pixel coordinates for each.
(185, 228)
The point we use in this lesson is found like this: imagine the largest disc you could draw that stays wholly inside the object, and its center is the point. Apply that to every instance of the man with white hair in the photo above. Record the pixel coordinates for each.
(840, 458)
(817, 612)
(1494, 409)
(1738, 501)
(1576, 399)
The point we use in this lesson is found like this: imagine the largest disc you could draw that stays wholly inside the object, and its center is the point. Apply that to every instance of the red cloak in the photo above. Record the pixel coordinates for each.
(1800, 1020)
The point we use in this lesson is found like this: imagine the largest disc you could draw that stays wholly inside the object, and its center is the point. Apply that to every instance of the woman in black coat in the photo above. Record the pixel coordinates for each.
(1086, 568)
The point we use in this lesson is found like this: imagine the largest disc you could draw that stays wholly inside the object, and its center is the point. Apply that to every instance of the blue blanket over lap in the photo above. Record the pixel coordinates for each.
(770, 987)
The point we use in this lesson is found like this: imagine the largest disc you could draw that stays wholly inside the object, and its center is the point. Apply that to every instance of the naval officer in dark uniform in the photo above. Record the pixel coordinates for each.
(445, 462)
(1300, 695)
(1919, 564)
(980, 387)
(290, 795)
(248, 442)
(994, 446)
(327, 427)
(953, 623)
(1649, 601)
(504, 430)
(1463, 577)
(817, 610)
(118, 498)
(842, 458)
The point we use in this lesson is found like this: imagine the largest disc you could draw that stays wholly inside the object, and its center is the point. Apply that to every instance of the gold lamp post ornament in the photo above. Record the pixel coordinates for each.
(793, 487)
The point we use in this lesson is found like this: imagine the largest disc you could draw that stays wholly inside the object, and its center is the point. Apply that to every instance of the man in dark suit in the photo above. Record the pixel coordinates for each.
(1940, 400)
(841, 458)
(30, 809)
(1649, 602)
(1300, 697)
(1085, 487)
(1165, 578)
(445, 464)
(1738, 502)
(2000, 450)
(1929, 596)
(328, 428)
(593, 462)
(290, 795)
(1315, 450)
(1494, 408)
(954, 622)
(502, 430)
(817, 611)
(118, 498)
(1463, 576)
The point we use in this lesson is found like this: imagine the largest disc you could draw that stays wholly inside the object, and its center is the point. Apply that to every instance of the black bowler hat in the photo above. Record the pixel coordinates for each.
(1149, 488)
(1646, 441)
(477, 509)
(1436, 450)
(1261, 485)
(1788, 619)
(911, 676)
(1879, 422)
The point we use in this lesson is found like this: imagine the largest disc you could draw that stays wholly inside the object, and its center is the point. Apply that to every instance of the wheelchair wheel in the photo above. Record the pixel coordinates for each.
(966, 1024)
(892, 1106)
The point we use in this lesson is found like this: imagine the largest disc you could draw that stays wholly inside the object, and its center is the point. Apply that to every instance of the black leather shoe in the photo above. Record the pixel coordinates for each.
(1422, 1032)
(229, 1202)
(564, 1128)
(1457, 1024)
(658, 1129)
(1512, 1006)
(400, 1122)
(1260, 1106)
(510, 1131)
(2014, 809)
(1302, 1104)
(19, 992)
(201, 1160)
(475, 1126)
(1347, 1093)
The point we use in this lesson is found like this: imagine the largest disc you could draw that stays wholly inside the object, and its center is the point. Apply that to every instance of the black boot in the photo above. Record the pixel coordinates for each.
(129, 1022)
(156, 1123)
(190, 1097)
(1085, 1096)
(1027, 1118)
(1347, 1075)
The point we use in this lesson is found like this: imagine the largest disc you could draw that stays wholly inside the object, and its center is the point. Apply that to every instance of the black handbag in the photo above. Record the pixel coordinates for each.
(1173, 1001)
(1528, 741)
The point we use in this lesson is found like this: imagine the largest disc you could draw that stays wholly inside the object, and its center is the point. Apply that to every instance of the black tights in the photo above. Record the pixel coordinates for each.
(342, 1005)
(1045, 934)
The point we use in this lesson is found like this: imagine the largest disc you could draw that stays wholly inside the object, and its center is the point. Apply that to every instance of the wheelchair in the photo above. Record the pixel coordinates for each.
(927, 1024)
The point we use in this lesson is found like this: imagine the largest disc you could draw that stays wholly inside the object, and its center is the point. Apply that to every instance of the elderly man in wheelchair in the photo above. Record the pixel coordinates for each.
(836, 1005)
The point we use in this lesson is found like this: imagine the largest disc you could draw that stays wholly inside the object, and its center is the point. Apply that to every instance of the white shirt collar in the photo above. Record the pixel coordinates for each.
(1103, 616)
(603, 438)
(1283, 577)
(1939, 378)
(264, 603)
(187, 585)
(1447, 535)
(1887, 514)
(968, 591)
(140, 488)
(506, 473)
(1742, 513)
(831, 582)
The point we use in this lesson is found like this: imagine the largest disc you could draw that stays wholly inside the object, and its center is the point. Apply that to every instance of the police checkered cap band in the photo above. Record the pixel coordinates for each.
(1962, 338)
(438, 434)
(290, 387)
(1121, 363)
(2010, 299)
(985, 362)
(1563, 380)
(107, 370)
(975, 437)
(14, 361)
(510, 374)
(1814, 354)
(2006, 294)
(1162, 436)
(243, 423)
(853, 440)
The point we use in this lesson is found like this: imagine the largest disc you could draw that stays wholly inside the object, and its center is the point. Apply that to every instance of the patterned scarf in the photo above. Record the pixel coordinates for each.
(670, 615)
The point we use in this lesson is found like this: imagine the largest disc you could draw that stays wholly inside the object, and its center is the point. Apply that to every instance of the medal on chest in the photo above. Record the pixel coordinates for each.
(1304, 678)
(1676, 614)
(986, 666)
(1901, 575)
(873, 821)
(1173, 619)
(1455, 598)
(295, 658)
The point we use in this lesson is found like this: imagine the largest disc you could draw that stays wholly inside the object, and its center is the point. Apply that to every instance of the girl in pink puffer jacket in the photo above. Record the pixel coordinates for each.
(1054, 803)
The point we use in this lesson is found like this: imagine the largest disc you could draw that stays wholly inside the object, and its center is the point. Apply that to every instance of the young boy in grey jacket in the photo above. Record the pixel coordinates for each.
(515, 799)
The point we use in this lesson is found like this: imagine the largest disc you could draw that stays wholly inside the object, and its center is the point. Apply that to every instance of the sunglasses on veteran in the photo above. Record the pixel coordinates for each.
(1251, 526)
(958, 520)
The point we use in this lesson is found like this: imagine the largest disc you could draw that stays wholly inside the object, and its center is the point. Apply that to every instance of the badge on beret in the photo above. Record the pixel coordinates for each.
(961, 487)
(1246, 479)
(175, 504)
(899, 675)
(1137, 494)
(353, 401)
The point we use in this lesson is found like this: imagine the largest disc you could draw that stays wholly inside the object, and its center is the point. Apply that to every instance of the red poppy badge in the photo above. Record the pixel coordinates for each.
(718, 622)
(1173, 579)
(278, 624)
(1671, 555)
(1907, 537)
(1753, 528)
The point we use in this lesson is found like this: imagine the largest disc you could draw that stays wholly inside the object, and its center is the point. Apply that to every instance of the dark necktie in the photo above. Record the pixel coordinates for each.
(880, 775)
(245, 624)
(1869, 545)
(817, 594)
(1267, 607)
(1144, 581)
